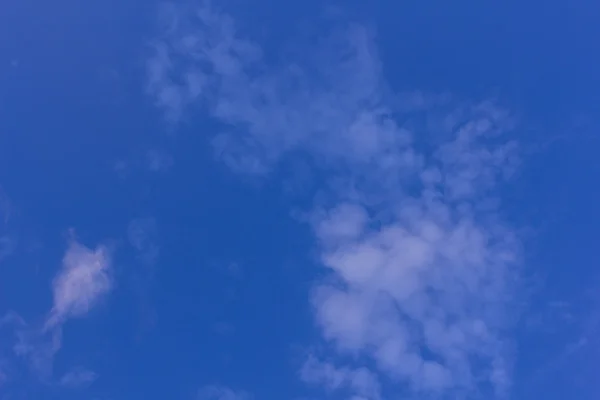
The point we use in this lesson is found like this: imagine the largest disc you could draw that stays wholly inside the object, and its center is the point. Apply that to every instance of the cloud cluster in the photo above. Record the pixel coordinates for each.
(422, 271)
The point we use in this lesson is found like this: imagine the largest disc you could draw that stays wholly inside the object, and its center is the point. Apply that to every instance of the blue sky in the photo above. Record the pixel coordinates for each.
(299, 200)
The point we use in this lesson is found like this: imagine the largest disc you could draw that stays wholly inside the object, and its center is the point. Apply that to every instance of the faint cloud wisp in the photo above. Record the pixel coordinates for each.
(78, 378)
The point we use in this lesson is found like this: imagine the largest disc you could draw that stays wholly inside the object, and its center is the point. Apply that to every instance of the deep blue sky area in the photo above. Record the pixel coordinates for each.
(158, 241)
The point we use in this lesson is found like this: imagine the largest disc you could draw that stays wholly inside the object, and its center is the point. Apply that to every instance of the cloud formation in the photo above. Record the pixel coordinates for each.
(38, 349)
(78, 377)
(422, 270)
(84, 279)
(361, 382)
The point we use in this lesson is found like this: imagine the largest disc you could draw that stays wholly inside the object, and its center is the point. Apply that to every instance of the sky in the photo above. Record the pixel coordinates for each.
(260, 200)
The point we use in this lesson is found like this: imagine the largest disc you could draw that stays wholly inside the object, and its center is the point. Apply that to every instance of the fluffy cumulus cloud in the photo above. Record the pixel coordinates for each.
(422, 270)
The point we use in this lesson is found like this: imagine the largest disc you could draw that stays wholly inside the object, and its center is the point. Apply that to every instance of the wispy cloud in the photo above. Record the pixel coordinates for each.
(422, 269)
(39, 349)
(152, 160)
(571, 345)
(142, 234)
(8, 324)
(360, 381)
(84, 279)
(78, 377)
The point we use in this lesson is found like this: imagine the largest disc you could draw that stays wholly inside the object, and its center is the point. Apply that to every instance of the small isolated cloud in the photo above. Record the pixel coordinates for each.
(83, 280)
(78, 377)
(422, 271)
(217, 392)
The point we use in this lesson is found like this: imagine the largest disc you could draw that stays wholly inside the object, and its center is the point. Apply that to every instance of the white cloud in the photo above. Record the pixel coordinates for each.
(83, 280)
(78, 377)
(423, 271)
(425, 296)
(282, 108)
